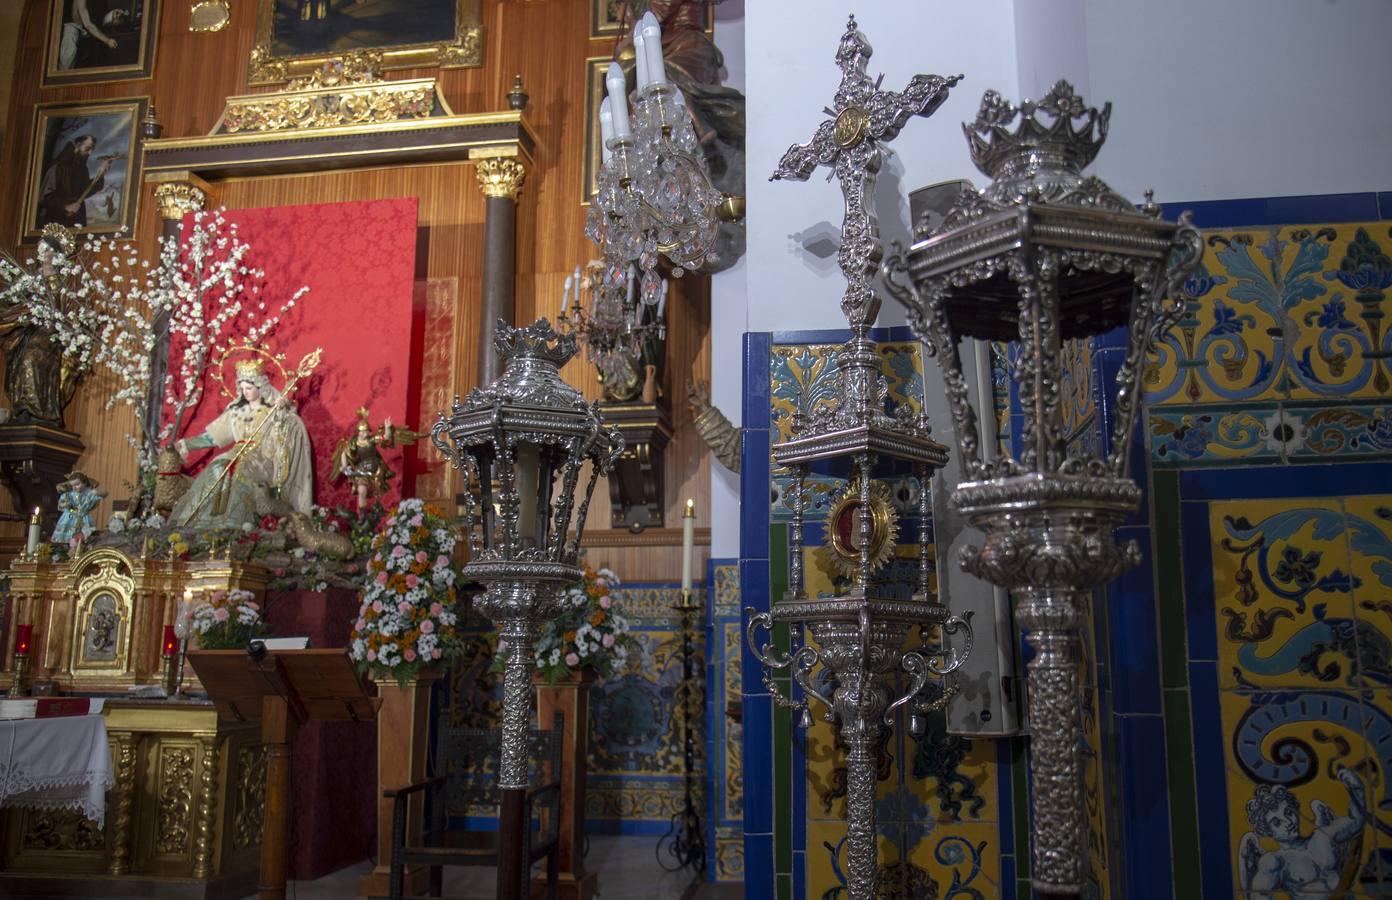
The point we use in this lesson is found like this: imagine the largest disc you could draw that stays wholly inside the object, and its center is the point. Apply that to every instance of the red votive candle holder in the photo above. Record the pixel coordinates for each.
(171, 642)
(24, 636)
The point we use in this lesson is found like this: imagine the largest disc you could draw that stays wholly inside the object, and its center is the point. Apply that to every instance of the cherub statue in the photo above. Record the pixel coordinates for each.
(358, 456)
(77, 497)
(1321, 864)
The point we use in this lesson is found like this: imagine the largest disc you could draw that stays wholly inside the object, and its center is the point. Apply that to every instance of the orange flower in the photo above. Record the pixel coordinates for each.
(569, 636)
(597, 617)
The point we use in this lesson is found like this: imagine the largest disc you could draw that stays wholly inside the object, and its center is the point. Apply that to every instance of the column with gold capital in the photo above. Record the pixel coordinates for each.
(176, 194)
(500, 179)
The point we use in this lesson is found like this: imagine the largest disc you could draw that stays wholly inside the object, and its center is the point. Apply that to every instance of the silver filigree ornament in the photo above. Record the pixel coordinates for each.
(523, 442)
(861, 638)
(1042, 256)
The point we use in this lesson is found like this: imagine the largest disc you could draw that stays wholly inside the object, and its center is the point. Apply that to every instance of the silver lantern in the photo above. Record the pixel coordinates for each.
(1041, 257)
(523, 442)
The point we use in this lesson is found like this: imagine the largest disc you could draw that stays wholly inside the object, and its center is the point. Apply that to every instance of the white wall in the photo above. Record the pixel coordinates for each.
(1242, 98)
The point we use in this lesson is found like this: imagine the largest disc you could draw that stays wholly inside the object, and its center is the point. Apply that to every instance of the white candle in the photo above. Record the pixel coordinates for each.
(632, 278)
(661, 299)
(31, 547)
(565, 295)
(618, 95)
(640, 58)
(688, 542)
(606, 129)
(652, 43)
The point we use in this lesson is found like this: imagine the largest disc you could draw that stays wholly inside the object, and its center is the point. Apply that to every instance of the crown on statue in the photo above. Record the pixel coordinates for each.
(536, 341)
(61, 238)
(1067, 136)
(249, 369)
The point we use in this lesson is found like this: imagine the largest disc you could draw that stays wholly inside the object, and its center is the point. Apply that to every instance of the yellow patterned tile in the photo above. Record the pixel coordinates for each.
(1281, 593)
(961, 857)
(1377, 738)
(1370, 562)
(1297, 769)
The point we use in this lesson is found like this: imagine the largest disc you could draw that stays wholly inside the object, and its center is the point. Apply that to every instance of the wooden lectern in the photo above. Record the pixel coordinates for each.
(284, 690)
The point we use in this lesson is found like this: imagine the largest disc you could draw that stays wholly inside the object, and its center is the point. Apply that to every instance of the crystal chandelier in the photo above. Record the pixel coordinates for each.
(599, 308)
(655, 195)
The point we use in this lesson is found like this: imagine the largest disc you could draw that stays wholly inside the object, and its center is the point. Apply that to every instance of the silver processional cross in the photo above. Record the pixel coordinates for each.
(850, 142)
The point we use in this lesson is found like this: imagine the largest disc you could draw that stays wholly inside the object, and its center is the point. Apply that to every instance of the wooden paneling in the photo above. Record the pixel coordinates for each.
(545, 41)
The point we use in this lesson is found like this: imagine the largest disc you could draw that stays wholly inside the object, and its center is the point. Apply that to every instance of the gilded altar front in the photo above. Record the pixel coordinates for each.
(99, 619)
(183, 820)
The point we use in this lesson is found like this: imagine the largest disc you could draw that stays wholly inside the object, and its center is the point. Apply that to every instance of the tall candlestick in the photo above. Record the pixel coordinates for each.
(688, 542)
(618, 97)
(640, 57)
(606, 128)
(652, 43)
(31, 547)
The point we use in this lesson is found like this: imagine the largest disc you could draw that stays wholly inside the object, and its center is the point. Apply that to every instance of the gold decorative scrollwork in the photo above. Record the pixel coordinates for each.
(250, 802)
(176, 198)
(843, 528)
(501, 177)
(176, 799)
(343, 103)
(61, 829)
(207, 807)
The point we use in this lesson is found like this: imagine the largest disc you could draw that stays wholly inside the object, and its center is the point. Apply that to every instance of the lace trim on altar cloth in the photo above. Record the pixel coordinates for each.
(83, 792)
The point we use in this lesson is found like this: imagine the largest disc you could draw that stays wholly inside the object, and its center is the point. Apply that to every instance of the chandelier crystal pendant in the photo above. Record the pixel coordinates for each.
(655, 197)
(599, 308)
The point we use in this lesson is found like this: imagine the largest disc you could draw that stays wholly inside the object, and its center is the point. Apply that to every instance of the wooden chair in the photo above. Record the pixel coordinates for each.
(467, 759)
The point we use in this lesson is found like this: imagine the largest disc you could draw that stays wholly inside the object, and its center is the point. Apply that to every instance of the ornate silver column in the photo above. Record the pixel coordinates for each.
(859, 637)
(522, 442)
(1041, 257)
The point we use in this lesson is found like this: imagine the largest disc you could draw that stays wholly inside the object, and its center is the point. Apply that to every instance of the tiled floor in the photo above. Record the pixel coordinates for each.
(627, 867)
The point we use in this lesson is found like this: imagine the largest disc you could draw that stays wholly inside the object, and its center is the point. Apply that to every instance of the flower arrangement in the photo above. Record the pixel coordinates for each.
(409, 613)
(227, 620)
(586, 632)
(105, 306)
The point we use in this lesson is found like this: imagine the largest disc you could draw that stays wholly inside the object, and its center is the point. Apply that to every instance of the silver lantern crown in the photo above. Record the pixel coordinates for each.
(1042, 256)
(861, 638)
(523, 442)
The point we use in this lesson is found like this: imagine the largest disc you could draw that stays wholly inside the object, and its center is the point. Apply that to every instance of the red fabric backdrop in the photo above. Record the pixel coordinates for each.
(358, 260)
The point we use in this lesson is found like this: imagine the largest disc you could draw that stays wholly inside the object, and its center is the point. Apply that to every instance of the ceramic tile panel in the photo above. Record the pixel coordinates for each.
(1284, 312)
(1283, 594)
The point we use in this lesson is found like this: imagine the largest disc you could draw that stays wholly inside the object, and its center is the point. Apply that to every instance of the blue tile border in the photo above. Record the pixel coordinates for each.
(1210, 778)
(758, 792)
(1197, 551)
(1312, 209)
(1133, 634)
(1145, 808)
(758, 865)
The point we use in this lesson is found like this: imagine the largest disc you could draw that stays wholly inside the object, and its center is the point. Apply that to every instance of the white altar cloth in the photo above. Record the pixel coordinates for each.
(56, 763)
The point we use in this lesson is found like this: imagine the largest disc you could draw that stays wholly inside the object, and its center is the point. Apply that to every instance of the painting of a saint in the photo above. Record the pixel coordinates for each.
(100, 40)
(294, 37)
(82, 168)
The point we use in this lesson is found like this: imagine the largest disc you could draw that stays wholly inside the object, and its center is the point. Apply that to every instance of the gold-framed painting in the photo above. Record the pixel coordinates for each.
(610, 18)
(595, 68)
(100, 40)
(297, 37)
(84, 167)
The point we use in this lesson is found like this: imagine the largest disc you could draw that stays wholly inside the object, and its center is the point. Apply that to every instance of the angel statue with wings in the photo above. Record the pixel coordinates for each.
(1314, 866)
(267, 456)
(358, 456)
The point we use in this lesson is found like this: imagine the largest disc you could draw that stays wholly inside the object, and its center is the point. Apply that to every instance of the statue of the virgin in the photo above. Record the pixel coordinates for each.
(267, 457)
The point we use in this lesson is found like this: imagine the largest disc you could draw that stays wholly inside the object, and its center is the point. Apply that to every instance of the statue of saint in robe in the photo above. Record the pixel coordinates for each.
(267, 458)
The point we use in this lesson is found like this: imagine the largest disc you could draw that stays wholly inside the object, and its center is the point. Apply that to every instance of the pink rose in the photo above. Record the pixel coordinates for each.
(607, 640)
(371, 655)
(382, 577)
(436, 609)
(220, 614)
(572, 660)
(409, 655)
(403, 607)
(412, 581)
(398, 551)
(376, 606)
(361, 624)
(441, 562)
(416, 521)
(605, 602)
(427, 626)
(421, 556)
(435, 654)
